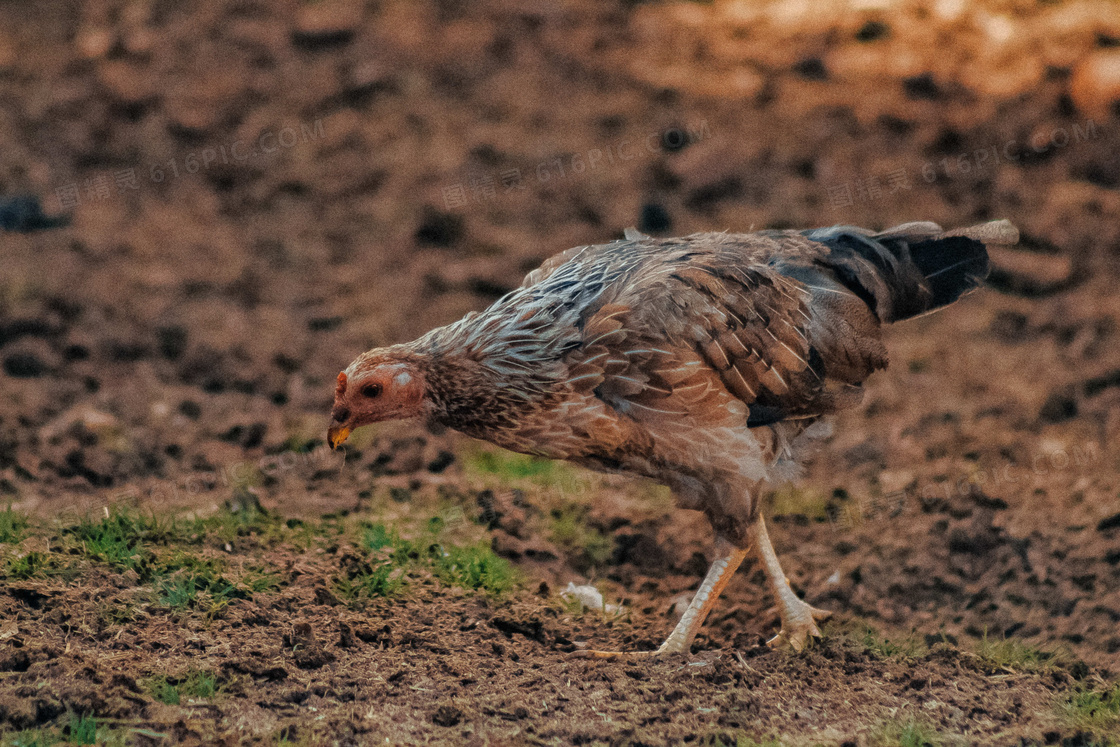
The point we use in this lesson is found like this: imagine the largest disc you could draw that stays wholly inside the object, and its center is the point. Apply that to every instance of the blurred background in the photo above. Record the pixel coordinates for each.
(211, 207)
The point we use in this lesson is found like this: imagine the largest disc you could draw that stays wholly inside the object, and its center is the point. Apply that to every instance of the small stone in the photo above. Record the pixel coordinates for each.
(94, 42)
(1095, 83)
(587, 595)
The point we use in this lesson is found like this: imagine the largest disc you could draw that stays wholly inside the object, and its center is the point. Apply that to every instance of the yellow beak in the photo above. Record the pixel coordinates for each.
(337, 435)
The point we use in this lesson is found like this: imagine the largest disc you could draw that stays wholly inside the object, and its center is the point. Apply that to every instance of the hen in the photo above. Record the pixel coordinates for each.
(700, 362)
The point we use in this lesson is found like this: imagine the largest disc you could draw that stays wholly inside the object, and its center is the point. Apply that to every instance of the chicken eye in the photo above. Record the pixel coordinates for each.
(371, 390)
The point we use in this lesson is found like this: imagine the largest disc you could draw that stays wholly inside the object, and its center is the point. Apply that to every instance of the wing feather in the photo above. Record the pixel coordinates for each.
(715, 322)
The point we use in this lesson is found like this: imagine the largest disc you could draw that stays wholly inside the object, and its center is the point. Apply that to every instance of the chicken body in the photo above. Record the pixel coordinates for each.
(702, 362)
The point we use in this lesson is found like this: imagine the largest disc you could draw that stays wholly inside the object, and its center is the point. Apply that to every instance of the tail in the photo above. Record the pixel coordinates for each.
(913, 268)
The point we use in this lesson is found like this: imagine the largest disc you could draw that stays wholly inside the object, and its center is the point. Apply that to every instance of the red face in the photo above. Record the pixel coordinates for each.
(389, 390)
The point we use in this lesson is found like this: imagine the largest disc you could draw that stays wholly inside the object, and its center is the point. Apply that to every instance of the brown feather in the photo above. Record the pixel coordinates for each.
(692, 360)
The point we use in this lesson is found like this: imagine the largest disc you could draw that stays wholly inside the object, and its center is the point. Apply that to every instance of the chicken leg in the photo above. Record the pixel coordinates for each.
(799, 619)
(679, 641)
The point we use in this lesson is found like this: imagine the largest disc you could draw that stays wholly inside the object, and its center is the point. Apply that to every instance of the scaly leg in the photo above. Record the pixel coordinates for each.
(682, 636)
(799, 620)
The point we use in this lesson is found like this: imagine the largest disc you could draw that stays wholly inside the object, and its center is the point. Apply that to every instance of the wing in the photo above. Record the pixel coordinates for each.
(553, 263)
(717, 321)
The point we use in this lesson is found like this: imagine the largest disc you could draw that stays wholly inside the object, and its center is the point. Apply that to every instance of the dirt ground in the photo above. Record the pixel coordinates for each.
(260, 191)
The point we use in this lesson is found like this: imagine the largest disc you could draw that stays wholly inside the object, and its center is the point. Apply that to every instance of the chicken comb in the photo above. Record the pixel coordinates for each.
(340, 389)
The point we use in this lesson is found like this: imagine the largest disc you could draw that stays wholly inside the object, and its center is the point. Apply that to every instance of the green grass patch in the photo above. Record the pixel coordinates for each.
(368, 581)
(122, 539)
(305, 534)
(85, 730)
(380, 538)
(119, 611)
(182, 580)
(790, 500)
(735, 740)
(158, 551)
(194, 684)
(31, 738)
(570, 530)
(36, 564)
(1095, 710)
(82, 729)
(241, 518)
(160, 554)
(475, 567)
(381, 572)
(78, 730)
(13, 526)
(257, 580)
(363, 581)
(911, 732)
(203, 588)
(389, 560)
(126, 540)
(179, 591)
(1011, 653)
(511, 465)
(22, 567)
(905, 647)
(497, 467)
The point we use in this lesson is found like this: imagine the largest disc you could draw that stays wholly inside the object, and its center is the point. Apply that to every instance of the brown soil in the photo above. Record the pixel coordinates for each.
(262, 190)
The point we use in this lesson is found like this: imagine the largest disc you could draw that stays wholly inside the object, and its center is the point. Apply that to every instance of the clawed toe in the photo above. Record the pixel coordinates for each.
(797, 637)
(818, 614)
(800, 630)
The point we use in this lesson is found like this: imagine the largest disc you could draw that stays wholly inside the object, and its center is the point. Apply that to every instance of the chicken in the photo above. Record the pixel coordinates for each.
(706, 363)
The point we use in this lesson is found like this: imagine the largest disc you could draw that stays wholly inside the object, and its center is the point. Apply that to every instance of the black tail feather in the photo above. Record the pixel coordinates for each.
(913, 268)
